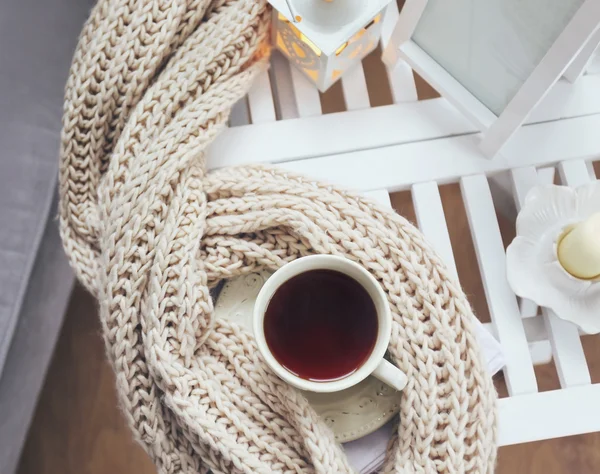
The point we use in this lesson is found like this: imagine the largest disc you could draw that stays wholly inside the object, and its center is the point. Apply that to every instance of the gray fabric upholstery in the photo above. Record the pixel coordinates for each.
(37, 39)
(35, 335)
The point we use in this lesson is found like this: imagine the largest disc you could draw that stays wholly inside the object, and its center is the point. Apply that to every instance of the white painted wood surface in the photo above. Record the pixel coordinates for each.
(381, 196)
(502, 302)
(308, 99)
(239, 114)
(378, 127)
(540, 350)
(579, 65)
(574, 174)
(354, 87)
(566, 100)
(400, 74)
(549, 415)
(283, 93)
(260, 100)
(419, 146)
(594, 65)
(528, 308)
(403, 30)
(571, 365)
(432, 221)
(446, 160)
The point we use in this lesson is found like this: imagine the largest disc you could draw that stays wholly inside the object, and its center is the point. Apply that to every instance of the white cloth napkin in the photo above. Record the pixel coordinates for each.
(368, 453)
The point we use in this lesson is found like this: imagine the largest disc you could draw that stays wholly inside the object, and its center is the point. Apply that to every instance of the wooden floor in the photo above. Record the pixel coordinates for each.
(78, 428)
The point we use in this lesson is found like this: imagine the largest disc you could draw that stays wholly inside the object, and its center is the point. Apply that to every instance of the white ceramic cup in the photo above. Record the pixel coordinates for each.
(374, 365)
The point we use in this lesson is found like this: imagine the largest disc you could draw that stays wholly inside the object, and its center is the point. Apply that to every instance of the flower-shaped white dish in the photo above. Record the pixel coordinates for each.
(533, 268)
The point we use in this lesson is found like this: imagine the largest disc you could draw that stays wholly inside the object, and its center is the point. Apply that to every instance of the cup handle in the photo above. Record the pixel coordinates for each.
(391, 375)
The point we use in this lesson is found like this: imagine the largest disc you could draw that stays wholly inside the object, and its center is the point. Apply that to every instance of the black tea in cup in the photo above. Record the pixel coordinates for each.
(321, 325)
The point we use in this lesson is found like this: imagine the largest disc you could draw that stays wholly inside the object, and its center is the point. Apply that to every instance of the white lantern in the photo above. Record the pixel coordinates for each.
(325, 38)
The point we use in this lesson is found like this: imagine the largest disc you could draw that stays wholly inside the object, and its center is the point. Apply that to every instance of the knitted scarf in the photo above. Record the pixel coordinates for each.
(148, 232)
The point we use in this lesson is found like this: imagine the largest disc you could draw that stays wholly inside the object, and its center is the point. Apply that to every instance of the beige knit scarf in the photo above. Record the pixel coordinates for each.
(148, 232)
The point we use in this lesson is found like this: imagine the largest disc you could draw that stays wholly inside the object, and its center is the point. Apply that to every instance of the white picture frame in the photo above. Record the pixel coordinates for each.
(568, 56)
(583, 61)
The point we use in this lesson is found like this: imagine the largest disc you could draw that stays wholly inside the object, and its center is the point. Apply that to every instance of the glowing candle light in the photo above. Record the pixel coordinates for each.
(325, 38)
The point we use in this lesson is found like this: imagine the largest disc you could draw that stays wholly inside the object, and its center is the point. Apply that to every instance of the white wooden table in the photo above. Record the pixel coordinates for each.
(419, 145)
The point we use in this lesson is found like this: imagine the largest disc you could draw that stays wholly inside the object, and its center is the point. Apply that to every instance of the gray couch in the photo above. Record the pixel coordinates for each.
(37, 39)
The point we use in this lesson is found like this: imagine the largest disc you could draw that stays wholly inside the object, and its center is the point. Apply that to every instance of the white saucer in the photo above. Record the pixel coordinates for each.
(351, 413)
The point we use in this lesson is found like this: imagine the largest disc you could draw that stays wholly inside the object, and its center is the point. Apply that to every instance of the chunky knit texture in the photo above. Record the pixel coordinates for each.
(148, 232)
